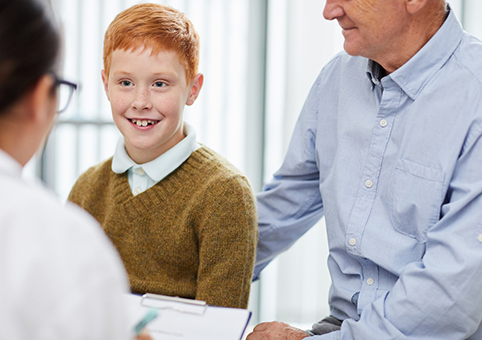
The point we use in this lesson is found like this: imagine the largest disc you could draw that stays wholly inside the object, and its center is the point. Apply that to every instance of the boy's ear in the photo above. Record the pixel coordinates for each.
(106, 83)
(195, 88)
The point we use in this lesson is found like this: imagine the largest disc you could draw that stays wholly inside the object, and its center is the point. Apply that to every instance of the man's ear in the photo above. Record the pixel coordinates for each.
(414, 6)
(196, 85)
(105, 81)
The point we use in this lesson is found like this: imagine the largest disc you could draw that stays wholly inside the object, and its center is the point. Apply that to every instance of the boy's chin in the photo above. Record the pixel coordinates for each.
(144, 152)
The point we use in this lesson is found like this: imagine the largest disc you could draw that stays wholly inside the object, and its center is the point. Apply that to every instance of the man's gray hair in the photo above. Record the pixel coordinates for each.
(444, 2)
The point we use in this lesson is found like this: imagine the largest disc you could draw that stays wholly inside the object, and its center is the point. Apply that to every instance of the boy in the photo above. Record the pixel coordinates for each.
(182, 218)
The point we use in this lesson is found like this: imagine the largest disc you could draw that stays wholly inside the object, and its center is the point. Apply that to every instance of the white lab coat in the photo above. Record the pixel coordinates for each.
(60, 277)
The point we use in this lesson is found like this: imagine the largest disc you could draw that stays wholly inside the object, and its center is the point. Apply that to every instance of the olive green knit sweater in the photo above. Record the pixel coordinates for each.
(193, 234)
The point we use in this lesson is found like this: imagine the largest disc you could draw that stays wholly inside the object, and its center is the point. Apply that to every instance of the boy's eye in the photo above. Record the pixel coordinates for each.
(126, 83)
(159, 84)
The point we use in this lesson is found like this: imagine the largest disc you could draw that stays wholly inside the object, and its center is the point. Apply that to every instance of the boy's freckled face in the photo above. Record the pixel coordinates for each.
(147, 95)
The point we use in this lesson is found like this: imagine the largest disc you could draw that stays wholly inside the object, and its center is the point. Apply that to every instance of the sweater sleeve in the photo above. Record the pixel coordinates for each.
(227, 243)
(85, 191)
(77, 193)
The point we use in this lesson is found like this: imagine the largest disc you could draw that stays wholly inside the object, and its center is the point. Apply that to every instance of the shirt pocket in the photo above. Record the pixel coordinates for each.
(417, 195)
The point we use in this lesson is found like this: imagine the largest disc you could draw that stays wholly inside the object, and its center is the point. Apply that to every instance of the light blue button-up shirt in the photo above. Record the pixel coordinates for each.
(395, 166)
(144, 176)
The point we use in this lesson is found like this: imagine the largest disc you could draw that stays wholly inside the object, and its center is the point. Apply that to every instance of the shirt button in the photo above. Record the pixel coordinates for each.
(370, 281)
(368, 184)
(137, 191)
(383, 123)
(141, 171)
(480, 238)
(352, 241)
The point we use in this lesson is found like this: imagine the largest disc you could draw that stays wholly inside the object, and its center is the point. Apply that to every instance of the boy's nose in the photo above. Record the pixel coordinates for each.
(142, 100)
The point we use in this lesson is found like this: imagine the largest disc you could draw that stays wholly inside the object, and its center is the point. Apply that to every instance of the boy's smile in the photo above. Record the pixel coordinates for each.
(147, 95)
(141, 122)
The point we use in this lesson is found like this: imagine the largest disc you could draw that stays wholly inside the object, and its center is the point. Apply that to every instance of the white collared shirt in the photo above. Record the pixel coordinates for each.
(61, 277)
(144, 176)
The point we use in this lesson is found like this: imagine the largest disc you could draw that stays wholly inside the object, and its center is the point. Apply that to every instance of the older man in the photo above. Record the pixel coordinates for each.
(388, 147)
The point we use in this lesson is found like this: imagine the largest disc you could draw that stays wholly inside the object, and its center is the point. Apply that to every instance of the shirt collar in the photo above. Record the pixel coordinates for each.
(163, 165)
(9, 165)
(420, 69)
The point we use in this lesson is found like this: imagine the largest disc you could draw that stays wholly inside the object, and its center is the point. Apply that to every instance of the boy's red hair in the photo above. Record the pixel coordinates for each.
(155, 26)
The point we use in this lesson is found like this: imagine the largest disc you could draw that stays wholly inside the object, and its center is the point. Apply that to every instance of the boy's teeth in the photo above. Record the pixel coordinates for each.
(142, 122)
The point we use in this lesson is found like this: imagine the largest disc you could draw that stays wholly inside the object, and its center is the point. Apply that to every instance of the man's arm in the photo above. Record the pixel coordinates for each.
(290, 204)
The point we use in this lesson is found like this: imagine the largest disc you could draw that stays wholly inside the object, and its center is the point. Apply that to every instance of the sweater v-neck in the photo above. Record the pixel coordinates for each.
(176, 180)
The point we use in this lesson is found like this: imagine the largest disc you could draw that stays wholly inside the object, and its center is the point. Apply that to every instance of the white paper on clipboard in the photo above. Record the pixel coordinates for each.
(184, 319)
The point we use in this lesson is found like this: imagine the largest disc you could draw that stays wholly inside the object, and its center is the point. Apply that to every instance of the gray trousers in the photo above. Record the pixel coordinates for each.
(327, 325)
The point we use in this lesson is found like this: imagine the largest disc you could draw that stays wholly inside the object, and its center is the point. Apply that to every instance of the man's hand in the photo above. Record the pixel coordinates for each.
(276, 331)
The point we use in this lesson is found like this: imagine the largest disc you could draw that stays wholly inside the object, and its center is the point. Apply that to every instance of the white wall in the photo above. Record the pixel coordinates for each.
(471, 11)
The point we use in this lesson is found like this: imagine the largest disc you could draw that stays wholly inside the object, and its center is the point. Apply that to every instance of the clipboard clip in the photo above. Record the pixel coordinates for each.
(174, 303)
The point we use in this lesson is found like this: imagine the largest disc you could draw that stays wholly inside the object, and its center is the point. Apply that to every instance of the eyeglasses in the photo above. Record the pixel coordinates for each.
(64, 89)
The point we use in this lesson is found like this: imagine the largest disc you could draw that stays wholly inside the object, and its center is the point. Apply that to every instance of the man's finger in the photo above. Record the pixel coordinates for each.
(262, 327)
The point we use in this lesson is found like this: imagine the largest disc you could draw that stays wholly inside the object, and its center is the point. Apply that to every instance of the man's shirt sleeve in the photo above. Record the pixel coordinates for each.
(290, 204)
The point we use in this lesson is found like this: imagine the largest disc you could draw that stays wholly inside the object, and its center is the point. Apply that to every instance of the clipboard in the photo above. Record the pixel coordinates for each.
(186, 319)
(174, 303)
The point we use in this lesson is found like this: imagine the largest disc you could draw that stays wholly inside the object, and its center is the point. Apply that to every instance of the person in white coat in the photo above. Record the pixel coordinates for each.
(60, 277)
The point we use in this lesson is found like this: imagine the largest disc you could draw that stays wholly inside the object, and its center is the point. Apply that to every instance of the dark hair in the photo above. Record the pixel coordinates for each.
(29, 46)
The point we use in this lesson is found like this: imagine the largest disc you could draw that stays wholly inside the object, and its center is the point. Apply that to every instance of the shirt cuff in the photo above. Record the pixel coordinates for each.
(336, 335)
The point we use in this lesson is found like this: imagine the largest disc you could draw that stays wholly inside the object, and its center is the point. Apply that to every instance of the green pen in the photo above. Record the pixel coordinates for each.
(150, 315)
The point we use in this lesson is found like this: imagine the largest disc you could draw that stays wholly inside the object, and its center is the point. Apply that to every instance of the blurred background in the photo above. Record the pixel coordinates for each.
(259, 58)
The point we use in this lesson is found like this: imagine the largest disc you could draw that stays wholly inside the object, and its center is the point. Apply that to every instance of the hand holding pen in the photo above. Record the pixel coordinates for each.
(144, 335)
(140, 329)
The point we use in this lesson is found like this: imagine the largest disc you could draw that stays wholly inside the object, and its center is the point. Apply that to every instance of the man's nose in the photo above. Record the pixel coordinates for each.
(333, 9)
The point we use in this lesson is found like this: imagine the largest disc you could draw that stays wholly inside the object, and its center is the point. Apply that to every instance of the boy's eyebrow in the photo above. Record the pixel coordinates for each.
(115, 73)
(168, 73)
(156, 74)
